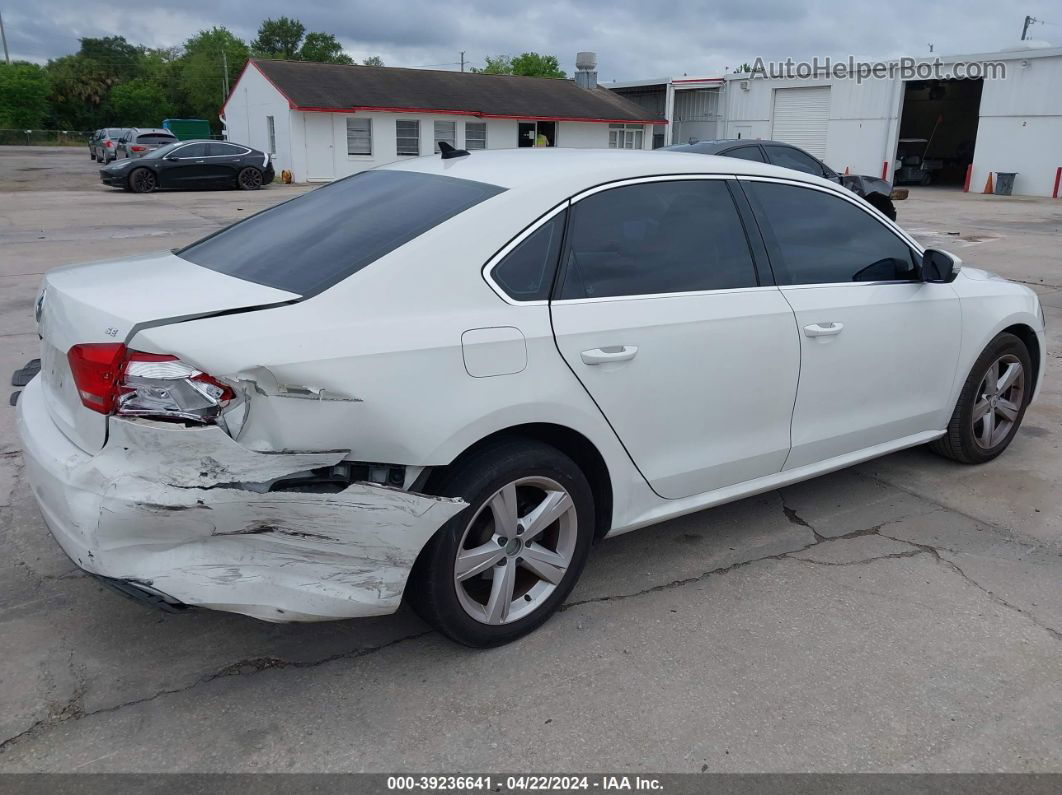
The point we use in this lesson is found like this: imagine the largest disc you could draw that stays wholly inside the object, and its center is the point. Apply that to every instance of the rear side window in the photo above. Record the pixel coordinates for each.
(817, 238)
(310, 243)
(225, 150)
(656, 237)
(526, 273)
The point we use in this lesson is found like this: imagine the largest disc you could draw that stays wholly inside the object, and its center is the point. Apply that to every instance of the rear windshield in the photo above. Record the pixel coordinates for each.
(311, 242)
(155, 138)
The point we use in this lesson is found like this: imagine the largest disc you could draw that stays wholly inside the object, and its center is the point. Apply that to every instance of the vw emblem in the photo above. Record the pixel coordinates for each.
(39, 309)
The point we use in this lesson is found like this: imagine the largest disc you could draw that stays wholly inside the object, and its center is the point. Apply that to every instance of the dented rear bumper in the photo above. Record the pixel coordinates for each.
(174, 512)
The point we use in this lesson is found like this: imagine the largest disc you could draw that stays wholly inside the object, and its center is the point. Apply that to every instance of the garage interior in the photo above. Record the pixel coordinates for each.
(938, 129)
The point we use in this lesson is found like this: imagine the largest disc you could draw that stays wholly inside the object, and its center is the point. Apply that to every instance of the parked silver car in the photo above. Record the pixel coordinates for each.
(138, 141)
(103, 145)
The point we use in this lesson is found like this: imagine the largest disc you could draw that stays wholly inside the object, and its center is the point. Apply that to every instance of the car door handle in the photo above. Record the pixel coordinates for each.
(612, 353)
(823, 329)
(200, 162)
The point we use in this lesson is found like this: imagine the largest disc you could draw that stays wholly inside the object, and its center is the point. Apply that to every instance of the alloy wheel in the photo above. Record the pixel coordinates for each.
(998, 401)
(516, 550)
(143, 180)
(251, 179)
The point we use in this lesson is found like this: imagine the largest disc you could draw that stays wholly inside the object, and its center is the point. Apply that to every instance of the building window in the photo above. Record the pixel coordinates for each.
(271, 135)
(359, 136)
(625, 136)
(475, 135)
(407, 134)
(445, 131)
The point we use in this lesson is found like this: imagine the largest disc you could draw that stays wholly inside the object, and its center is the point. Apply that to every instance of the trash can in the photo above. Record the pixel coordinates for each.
(1005, 182)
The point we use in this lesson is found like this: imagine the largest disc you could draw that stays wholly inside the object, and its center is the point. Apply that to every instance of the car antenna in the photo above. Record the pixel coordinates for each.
(449, 150)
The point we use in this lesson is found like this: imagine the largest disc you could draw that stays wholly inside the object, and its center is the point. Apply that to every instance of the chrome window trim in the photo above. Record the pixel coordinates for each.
(851, 199)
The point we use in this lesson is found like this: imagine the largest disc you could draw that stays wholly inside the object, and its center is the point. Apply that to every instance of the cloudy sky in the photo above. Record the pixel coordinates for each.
(633, 38)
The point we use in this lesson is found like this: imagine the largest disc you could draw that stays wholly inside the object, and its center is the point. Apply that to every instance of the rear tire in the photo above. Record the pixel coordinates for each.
(492, 574)
(249, 178)
(142, 180)
(991, 405)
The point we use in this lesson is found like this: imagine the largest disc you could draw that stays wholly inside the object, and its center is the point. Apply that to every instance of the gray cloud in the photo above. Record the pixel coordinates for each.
(633, 39)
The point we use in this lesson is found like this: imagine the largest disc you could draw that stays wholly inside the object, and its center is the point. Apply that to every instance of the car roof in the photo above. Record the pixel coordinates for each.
(565, 172)
(151, 130)
(721, 144)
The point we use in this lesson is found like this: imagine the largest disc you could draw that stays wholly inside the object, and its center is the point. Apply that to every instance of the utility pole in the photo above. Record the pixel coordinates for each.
(225, 78)
(462, 60)
(1028, 21)
(7, 55)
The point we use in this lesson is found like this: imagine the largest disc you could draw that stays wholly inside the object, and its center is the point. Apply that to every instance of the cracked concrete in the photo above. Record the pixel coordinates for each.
(903, 616)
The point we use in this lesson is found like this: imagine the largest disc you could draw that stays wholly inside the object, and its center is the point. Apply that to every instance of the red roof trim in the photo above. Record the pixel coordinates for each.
(475, 113)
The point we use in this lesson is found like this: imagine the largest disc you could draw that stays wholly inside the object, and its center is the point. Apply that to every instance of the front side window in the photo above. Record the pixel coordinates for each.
(475, 135)
(656, 237)
(359, 136)
(407, 132)
(445, 131)
(788, 157)
(191, 151)
(625, 136)
(316, 240)
(815, 237)
(526, 272)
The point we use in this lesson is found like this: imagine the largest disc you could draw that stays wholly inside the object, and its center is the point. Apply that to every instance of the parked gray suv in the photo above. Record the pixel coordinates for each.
(138, 141)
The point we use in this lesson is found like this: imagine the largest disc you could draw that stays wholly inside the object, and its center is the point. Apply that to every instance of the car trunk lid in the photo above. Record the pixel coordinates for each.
(111, 301)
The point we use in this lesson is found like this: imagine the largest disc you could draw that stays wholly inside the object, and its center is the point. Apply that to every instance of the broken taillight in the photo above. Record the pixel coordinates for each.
(112, 379)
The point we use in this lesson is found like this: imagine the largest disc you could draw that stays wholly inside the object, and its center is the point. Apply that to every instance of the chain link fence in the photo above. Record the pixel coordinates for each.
(44, 137)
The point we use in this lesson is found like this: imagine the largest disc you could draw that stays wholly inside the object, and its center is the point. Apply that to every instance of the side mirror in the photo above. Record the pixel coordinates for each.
(940, 267)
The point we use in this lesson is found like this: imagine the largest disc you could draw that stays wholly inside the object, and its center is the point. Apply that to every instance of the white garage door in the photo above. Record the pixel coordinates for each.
(801, 116)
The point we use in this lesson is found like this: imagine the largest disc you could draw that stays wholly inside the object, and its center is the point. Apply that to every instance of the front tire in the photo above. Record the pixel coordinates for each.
(249, 178)
(497, 570)
(991, 405)
(142, 180)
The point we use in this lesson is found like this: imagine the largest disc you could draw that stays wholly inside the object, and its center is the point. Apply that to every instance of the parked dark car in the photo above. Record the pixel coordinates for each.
(877, 192)
(192, 164)
(103, 145)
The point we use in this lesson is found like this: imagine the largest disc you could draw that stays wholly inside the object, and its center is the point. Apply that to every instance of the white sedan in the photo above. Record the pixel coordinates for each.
(445, 378)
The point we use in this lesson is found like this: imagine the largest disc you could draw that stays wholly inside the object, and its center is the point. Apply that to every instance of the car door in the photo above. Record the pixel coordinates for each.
(225, 161)
(661, 313)
(185, 167)
(878, 346)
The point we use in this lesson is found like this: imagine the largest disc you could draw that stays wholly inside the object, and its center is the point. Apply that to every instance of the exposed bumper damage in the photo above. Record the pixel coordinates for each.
(185, 513)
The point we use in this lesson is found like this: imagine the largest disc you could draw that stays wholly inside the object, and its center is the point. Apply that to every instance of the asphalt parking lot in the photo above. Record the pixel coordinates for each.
(902, 616)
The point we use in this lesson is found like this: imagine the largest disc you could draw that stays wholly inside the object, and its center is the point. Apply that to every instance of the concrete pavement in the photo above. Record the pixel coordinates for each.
(902, 616)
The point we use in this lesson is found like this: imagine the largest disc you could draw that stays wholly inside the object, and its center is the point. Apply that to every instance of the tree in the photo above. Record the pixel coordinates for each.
(278, 38)
(201, 67)
(140, 103)
(24, 90)
(324, 48)
(373, 60)
(528, 64)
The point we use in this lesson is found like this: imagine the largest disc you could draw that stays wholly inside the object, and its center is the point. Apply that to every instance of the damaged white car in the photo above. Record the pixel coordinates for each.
(443, 379)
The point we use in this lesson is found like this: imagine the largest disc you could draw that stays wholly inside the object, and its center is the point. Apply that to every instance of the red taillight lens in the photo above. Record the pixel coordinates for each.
(111, 378)
(107, 144)
(97, 368)
(138, 148)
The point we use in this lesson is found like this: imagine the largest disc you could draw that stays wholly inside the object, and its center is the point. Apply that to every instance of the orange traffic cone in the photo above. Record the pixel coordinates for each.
(846, 171)
(989, 185)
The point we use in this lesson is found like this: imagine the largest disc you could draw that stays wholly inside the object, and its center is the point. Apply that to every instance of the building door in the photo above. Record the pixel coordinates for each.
(801, 118)
(526, 135)
(320, 147)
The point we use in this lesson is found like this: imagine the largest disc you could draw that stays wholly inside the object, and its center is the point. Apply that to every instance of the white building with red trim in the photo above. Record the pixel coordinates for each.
(325, 121)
